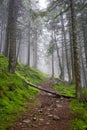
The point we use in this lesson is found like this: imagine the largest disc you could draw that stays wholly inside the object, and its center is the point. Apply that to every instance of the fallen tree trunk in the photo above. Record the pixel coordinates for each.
(47, 91)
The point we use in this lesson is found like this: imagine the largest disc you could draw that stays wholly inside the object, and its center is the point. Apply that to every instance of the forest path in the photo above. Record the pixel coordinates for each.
(50, 114)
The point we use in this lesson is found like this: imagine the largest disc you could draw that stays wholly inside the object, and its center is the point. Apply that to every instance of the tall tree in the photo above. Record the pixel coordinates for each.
(11, 34)
(75, 51)
(66, 51)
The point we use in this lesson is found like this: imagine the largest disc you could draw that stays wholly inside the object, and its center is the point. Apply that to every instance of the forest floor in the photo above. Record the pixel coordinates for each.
(50, 113)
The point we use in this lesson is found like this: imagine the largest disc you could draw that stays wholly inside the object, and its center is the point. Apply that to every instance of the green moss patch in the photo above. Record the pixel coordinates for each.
(79, 115)
(62, 88)
(14, 93)
(33, 75)
(78, 109)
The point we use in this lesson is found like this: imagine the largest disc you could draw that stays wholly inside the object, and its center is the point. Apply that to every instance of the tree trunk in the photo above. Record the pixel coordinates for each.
(35, 51)
(62, 59)
(1, 37)
(71, 46)
(75, 51)
(66, 53)
(52, 54)
(52, 65)
(84, 29)
(11, 35)
(18, 51)
(60, 65)
(29, 45)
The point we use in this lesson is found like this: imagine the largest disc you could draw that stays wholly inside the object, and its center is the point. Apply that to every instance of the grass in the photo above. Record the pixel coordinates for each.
(62, 88)
(79, 115)
(14, 93)
(78, 109)
(33, 75)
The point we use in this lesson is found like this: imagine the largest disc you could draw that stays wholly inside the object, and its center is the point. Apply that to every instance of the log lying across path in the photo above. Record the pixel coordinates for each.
(47, 91)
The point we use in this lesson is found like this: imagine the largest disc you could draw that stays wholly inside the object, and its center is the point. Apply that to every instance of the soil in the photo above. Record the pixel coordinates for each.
(50, 114)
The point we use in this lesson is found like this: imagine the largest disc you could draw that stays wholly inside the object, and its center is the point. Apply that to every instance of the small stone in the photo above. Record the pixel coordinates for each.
(36, 108)
(55, 109)
(49, 109)
(56, 118)
(33, 125)
(48, 123)
(26, 121)
(57, 101)
(41, 119)
(41, 111)
(58, 105)
(34, 118)
(22, 126)
(49, 94)
(50, 115)
(20, 123)
(61, 98)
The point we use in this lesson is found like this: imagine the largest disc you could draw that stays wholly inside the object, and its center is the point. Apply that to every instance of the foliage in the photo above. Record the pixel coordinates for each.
(78, 109)
(66, 89)
(79, 114)
(14, 93)
(3, 64)
(84, 94)
(33, 75)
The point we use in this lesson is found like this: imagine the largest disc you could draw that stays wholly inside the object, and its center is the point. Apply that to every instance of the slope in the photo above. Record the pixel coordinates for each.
(14, 93)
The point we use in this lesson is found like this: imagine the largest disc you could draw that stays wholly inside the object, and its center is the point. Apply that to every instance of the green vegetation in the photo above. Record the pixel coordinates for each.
(84, 94)
(31, 75)
(78, 109)
(66, 89)
(14, 93)
(79, 114)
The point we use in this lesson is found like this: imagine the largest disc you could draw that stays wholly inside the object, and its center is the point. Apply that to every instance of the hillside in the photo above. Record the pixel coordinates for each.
(14, 93)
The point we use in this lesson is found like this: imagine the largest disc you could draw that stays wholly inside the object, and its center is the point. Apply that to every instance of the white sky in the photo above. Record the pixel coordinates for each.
(43, 4)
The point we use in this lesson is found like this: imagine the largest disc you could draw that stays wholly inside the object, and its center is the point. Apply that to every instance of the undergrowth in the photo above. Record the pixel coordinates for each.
(66, 89)
(79, 115)
(33, 75)
(14, 93)
(78, 109)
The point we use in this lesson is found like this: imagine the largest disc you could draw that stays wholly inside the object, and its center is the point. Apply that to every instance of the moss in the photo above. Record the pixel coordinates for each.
(78, 109)
(14, 93)
(84, 93)
(68, 90)
(33, 75)
(79, 115)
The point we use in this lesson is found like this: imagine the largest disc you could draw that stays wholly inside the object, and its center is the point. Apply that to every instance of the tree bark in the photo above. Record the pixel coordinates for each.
(18, 51)
(11, 35)
(66, 53)
(1, 37)
(75, 51)
(52, 54)
(29, 44)
(60, 65)
(71, 46)
(35, 50)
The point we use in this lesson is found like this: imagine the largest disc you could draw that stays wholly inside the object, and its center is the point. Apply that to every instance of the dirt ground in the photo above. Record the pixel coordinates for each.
(50, 114)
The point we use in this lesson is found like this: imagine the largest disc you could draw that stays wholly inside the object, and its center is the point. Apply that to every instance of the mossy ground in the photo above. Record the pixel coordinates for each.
(78, 109)
(79, 115)
(66, 89)
(14, 93)
(32, 75)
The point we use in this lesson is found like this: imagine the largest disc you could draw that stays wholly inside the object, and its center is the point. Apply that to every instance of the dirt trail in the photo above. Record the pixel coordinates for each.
(50, 114)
